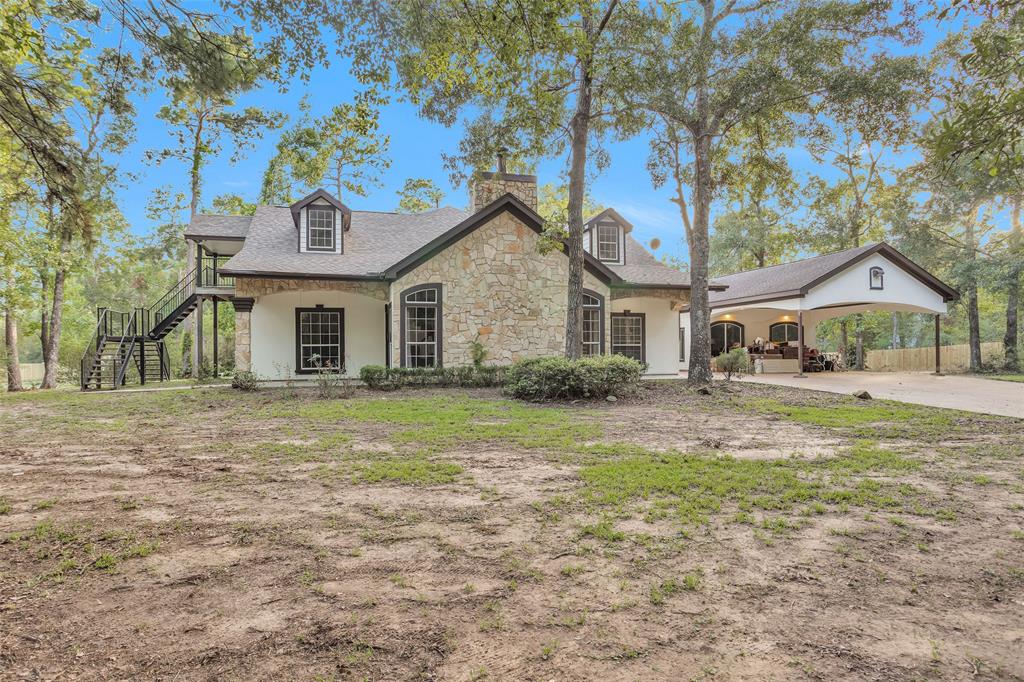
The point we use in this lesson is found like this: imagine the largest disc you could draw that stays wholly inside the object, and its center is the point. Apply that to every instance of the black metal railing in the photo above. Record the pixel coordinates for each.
(125, 351)
(109, 324)
(210, 275)
(172, 300)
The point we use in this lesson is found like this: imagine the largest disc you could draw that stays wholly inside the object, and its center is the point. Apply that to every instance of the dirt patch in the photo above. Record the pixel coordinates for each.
(227, 540)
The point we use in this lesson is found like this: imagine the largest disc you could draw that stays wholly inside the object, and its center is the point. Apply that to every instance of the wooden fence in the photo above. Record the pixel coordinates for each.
(31, 374)
(954, 358)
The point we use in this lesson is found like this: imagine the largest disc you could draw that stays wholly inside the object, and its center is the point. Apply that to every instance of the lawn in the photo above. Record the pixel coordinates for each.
(1007, 377)
(759, 532)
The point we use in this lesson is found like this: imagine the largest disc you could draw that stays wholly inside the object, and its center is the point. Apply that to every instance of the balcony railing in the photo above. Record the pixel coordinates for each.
(209, 273)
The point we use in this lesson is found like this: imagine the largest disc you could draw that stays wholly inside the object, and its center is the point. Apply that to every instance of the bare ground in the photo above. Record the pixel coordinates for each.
(192, 536)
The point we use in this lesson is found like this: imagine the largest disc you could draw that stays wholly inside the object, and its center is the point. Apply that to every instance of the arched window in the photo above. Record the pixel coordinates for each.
(877, 277)
(421, 326)
(724, 336)
(784, 332)
(593, 323)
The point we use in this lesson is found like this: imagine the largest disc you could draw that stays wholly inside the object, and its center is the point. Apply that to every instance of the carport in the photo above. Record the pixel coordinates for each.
(774, 311)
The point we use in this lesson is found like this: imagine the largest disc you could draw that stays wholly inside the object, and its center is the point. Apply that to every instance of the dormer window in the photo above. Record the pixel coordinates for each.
(321, 234)
(608, 242)
(877, 278)
(321, 222)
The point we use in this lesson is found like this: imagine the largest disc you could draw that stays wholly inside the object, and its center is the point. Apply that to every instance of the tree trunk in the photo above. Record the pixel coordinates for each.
(699, 246)
(973, 322)
(858, 339)
(1010, 339)
(580, 126)
(844, 342)
(895, 343)
(51, 351)
(11, 344)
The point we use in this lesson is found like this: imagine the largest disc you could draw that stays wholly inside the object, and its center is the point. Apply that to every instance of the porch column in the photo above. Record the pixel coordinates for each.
(243, 334)
(216, 359)
(938, 348)
(800, 343)
(197, 339)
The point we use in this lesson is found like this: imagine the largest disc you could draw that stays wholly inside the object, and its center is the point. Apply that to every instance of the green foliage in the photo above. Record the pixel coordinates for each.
(733, 362)
(345, 148)
(477, 352)
(245, 381)
(419, 195)
(379, 377)
(417, 470)
(541, 379)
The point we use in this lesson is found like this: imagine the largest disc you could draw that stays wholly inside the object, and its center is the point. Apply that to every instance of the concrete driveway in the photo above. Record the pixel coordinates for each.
(956, 391)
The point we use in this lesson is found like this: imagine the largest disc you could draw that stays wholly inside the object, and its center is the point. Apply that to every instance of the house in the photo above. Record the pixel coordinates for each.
(319, 282)
(316, 283)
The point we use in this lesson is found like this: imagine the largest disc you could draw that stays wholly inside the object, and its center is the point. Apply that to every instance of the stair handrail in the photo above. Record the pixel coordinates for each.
(177, 294)
(89, 356)
(123, 355)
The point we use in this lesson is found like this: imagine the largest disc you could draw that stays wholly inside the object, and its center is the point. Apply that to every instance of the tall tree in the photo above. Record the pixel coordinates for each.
(538, 72)
(344, 148)
(202, 111)
(419, 195)
(706, 75)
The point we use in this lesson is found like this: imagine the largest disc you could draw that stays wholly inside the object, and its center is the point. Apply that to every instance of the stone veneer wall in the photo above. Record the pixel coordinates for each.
(495, 283)
(490, 186)
(255, 287)
(243, 341)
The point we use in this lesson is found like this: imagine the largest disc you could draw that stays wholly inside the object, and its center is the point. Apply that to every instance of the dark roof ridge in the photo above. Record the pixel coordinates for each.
(802, 260)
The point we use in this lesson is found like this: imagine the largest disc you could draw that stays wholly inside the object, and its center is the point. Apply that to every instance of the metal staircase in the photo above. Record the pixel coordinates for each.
(131, 345)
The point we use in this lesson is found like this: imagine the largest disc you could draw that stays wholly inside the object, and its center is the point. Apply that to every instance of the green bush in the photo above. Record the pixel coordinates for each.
(245, 381)
(557, 378)
(735, 361)
(379, 377)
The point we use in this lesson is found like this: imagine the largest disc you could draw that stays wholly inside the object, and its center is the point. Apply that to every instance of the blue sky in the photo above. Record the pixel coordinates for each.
(416, 149)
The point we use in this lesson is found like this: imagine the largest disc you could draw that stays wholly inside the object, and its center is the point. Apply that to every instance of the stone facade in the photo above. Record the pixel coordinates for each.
(255, 287)
(243, 341)
(678, 299)
(486, 187)
(496, 284)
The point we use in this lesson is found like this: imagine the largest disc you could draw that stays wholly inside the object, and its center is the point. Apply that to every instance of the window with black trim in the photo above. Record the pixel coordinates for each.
(877, 277)
(320, 228)
(682, 344)
(593, 324)
(607, 242)
(784, 332)
(421, 326)
(725, 336)
(319, 339)
(628, 335)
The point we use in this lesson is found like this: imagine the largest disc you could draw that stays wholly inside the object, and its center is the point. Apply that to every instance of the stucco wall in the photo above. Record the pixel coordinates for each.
(273, 330)
(851, 286)
(497, 284)
(661, 332)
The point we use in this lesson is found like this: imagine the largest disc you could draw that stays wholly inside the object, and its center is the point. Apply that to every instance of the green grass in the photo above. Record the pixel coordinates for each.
(876, 418)
(417, 470)
(1006, 377)
(451, 420)
(5, 506)
(692, 487)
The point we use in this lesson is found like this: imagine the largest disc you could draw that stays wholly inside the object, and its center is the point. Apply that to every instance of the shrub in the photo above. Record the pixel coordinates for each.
(245, 381)
(733, 362)
(388, 378)
(557, 378)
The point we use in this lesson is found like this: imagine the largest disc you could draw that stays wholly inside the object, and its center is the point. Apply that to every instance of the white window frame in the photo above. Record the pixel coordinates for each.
(619, 345)
(615, 242)
(422, 297)
(320, 229)
(593, 303)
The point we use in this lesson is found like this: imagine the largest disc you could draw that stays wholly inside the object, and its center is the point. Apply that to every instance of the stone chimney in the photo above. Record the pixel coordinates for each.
(487, 186)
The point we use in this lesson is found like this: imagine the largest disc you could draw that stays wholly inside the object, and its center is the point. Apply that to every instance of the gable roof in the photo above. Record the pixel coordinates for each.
(227, 227)
(385, 245)
(795, 279)
(326, 196)
(609, 213)
(507, 202)
(372, 245)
